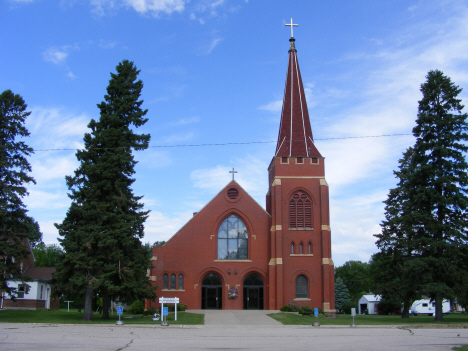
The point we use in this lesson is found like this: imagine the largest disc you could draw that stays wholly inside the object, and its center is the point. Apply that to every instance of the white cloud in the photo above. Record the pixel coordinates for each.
(185, 121)
(160, 226)
(213, 44)
(155, 7)
(251, 176)
(178, 137)
(55, 55)
(152, 7)
(274, 106)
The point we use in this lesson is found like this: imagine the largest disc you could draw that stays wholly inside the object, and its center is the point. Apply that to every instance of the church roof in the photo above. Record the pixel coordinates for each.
(295, 134)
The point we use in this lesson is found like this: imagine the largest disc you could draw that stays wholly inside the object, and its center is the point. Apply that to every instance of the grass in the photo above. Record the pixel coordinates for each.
(454, 319)
(462, 348)
(73, 317)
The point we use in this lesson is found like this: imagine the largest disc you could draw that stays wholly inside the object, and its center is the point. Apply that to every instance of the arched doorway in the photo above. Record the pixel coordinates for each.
(253, 292)
(212, 292)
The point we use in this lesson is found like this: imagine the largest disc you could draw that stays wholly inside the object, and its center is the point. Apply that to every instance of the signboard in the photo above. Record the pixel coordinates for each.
(353, 312)
(316, 311)
(168, 300)
(119, 310)
(165, 311)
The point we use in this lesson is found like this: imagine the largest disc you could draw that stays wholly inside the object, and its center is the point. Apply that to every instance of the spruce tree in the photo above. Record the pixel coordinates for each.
(395, 274)
(14, 175)
(424, 237)
(440, 183)
(102, 229)
(341, 293)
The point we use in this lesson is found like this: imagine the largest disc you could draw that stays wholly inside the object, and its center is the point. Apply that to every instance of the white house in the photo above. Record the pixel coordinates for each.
(39, 294)
(369, 304)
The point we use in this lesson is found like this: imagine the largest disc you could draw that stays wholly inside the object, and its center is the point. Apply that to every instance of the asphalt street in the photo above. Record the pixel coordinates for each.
(242, 334)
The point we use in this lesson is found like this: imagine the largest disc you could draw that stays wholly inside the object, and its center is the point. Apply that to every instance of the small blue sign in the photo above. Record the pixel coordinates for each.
(165, 311)
(316, 312)
(119, 310)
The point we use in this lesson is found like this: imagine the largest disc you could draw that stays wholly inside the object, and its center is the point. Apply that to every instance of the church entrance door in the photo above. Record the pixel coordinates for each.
(253, 292)
(212, 292)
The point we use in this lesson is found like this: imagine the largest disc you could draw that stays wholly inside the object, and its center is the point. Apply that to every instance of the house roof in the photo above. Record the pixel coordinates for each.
(372, 298)
(295, 134)
(40, 273)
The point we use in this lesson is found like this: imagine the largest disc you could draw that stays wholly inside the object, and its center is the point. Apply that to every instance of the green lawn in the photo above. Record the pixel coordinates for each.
(453, 319)
(73, 317)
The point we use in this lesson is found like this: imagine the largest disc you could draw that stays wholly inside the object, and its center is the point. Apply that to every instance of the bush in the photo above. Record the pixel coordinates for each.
(306, 310)
(180, 307)
(137, 307)
(347, 305)
(291, 307)
(149, 311)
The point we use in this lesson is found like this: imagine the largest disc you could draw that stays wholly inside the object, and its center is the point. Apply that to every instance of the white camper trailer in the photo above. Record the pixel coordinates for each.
(427, 306)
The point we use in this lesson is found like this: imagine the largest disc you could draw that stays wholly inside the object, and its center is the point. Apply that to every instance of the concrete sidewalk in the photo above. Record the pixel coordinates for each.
(237, 317)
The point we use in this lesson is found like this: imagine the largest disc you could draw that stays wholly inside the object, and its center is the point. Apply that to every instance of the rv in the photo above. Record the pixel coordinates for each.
(427, 306)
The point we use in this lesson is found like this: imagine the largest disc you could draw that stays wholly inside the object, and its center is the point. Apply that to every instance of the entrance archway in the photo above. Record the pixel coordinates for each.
(253, 292)
(212, 292)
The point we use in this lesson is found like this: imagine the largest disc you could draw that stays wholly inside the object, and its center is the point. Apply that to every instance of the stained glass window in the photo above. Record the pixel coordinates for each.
(301, 287)
(232, 239)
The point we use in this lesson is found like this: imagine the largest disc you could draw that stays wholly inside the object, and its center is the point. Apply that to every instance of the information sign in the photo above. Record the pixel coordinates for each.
(353, 312)
(316, 311)
(119, 310)
(168, 300)
(165, 311)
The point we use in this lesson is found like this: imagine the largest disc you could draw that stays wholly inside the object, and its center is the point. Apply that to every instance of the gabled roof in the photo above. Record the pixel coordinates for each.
(295, 134)
(230, 184)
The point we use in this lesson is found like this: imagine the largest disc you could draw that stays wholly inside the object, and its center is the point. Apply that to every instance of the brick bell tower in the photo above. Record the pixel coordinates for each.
(300, 268)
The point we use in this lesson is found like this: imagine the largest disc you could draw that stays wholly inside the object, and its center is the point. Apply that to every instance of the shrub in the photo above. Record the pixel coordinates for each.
(137, 307)
(306, 310)
(291, 307)
(347, 305)
(180, 307)
(149, 311)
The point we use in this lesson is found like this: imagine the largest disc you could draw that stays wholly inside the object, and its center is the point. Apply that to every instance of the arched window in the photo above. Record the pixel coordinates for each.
(232, 239)
(301, 287)
(292, 248)
(309, 251)
(181, 282)
(165, 281)
(173, 282)
(300, 210)
(300, 248)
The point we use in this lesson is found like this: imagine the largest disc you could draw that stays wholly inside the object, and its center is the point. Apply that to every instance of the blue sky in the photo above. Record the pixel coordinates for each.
(213, 72)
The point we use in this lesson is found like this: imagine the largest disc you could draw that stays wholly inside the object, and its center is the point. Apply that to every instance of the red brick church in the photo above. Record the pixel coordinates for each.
(235, 255)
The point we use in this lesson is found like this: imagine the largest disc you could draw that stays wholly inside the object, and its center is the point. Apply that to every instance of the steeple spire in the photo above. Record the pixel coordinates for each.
(295, 134)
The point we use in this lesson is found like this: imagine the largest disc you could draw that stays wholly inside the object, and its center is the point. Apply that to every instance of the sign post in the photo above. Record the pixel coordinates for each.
(119, 313)
(68, 305)
(162, 301)
(353, 313)
(316, 313)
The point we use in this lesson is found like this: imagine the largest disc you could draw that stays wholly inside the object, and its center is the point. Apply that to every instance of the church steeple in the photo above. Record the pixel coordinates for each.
(295, 134)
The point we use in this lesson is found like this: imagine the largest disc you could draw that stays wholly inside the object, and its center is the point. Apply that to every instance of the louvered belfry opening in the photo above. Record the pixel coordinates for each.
(300, 210)
(233, 193)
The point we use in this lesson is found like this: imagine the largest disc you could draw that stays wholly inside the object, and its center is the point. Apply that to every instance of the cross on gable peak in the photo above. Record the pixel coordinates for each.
(233, 172)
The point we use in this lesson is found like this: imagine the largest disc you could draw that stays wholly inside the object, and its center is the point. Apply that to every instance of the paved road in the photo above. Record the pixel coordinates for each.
(237, 336)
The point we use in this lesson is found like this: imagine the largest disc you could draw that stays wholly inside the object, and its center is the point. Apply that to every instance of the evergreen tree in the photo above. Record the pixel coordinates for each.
(440, 183)
(396, 276)
(102, 229)
(14, 174)
(341, 293)
(424, 237)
